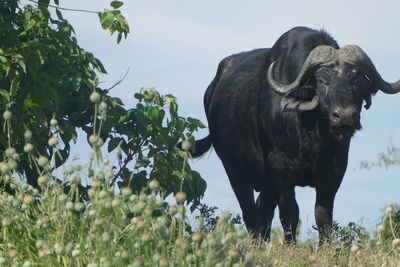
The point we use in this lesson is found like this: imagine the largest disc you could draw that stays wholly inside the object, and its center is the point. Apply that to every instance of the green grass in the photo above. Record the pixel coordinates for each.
(119, 228)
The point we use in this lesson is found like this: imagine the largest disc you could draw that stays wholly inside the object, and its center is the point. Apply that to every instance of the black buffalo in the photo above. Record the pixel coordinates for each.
(283, 117)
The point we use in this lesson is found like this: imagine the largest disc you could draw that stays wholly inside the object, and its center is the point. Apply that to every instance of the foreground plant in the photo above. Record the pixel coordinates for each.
(112, 228)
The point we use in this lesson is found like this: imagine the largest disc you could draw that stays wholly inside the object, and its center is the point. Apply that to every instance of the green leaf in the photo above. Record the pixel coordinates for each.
(5, 94)
(59, 15)
(106, 19)
(116, 4)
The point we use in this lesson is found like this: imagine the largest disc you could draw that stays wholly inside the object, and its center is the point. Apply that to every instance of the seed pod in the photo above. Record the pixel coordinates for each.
(28, 199)
(126, 191)
(79, 206)
(43, 161)
(7, 115)
(154, 185)
(10, 152)
(75, 179)
(180, 197)
(103, 106)
(12, 164)
(4, 167)
(43, 180)
(354, 248)
(28, 148)
(53, 122)
(76, 253)
(380, 228)
(28, 135)
(95, 97)
(164, 262)
(139, 207)
(186, 145)
(70, 205)
(53, 141)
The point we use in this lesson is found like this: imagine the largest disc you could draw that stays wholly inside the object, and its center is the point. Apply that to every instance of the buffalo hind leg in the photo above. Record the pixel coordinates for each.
(288, 213)
(244, 192)
(266, 203)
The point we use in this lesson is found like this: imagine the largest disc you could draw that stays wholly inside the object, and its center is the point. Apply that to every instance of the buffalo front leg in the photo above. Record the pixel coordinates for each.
(288, 213)
(266, 203)
(323, 213)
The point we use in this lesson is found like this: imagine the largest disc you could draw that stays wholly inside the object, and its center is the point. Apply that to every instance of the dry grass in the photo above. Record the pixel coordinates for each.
(305, 254)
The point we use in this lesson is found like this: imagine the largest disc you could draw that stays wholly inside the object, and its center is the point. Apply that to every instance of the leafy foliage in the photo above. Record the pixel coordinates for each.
(210, 220)
(113, 228)
(349, 235)
(45, 74)
(389, 158)
(148, 136)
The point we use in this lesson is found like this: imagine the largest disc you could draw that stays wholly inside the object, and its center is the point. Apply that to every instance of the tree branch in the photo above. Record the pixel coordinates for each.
(67, 9)
(119, 81)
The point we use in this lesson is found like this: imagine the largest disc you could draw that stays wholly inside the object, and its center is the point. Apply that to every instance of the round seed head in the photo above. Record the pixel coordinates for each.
(196, 237)
(109, 174)
(43, 180)
(354, 248)
(28, 148)
(28, 135)
(233, 253)
(53, 141)
(145, 237)
(10, 151)
(380, 228)
(28, 199)
(43, 161)
(180, 197)
(70, 205)
(126, 191)
(116, 203)
(396, 242)
(139, 207)
(103, 106)
(105, 237)
(75, 179)
(53, 122)
(186, 145)
(389, 210)
(173, 209)
(164, 262)
(79, 206)
(59, 249)
(63, 198)
(12, 164)
(95, 97)
(154, 185)
(4, 167)
(76, 253)
(93, 139)
(7, 115)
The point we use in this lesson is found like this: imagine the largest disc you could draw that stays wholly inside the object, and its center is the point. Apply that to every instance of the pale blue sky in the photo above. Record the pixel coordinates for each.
(176, 46)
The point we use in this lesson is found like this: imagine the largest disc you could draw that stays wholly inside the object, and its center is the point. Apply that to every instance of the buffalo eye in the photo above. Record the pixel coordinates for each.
(323, 76)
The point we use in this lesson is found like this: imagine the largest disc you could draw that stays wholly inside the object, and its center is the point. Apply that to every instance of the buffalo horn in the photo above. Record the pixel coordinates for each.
(355, 55)
(319, 55)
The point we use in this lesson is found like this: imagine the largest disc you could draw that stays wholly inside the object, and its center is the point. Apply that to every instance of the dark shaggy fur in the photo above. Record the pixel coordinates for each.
(271, 150)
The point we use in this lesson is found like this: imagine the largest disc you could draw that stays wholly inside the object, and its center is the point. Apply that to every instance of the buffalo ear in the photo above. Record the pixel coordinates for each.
(300, 98)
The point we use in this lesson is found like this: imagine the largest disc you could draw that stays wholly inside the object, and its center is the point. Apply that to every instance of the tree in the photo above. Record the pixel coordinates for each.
(46, 81)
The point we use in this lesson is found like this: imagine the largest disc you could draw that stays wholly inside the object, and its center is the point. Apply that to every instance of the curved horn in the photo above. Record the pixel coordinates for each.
(320, 54)
(355, 55)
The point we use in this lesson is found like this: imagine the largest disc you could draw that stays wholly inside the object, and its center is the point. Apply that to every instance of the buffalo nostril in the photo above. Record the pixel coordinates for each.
(344, 116)
(336, 116)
